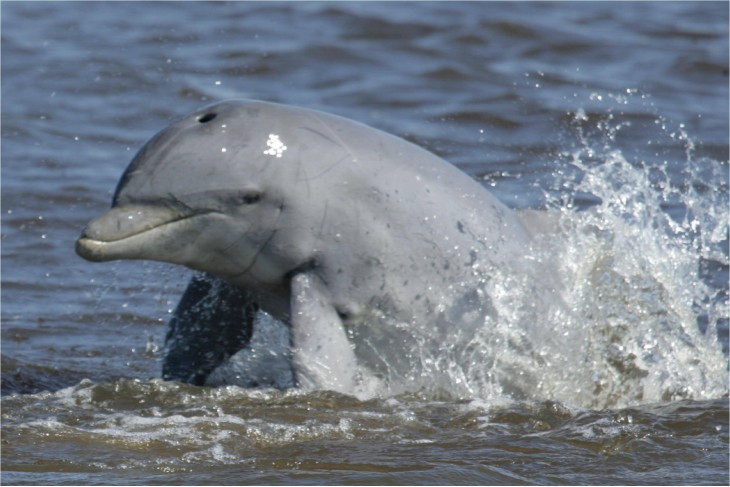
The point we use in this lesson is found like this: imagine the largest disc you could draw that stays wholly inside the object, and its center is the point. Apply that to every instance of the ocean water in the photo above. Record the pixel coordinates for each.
(604, 123)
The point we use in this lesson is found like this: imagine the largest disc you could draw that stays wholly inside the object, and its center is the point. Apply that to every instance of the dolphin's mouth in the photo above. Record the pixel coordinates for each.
(126, 232)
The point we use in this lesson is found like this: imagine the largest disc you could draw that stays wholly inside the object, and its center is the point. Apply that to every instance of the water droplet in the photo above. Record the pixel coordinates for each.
(275, 146)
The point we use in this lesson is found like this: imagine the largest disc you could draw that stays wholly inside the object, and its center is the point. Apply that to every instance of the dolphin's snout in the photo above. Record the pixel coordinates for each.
(109, 236)
(126, 221)
(90, 249)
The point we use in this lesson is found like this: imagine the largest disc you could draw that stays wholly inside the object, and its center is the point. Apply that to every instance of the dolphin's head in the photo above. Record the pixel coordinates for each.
(200, 193)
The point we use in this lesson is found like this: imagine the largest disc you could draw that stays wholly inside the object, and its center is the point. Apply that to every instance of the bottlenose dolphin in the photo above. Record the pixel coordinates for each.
(358, 240)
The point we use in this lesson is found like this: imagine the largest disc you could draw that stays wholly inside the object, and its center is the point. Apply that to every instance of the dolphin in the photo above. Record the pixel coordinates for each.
(356, 239)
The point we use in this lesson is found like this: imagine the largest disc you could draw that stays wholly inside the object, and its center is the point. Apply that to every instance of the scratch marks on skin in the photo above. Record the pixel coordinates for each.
(324, 218)
(325, 171)
(334, 139)
(259, 251)
(256, 256)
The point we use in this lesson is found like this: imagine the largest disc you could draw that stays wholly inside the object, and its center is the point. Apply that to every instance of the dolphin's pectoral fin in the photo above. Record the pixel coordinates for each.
(213, 321)
(323, 356)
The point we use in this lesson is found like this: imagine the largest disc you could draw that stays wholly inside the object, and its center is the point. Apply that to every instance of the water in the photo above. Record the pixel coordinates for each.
(611, 119)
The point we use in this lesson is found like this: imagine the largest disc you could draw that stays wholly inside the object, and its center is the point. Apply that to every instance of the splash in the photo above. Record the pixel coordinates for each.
(640, 250)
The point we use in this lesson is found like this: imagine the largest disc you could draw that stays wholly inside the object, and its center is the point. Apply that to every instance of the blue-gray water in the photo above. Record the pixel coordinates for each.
(611, 117)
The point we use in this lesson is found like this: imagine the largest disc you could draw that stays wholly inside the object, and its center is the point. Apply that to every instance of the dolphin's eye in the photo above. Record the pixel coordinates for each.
(251, 198)
(207, 117)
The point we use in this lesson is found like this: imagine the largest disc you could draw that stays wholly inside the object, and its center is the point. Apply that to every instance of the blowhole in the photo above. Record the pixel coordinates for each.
(207, 117)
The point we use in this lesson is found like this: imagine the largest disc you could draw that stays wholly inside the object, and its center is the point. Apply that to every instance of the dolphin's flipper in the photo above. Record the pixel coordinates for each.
(322, 354)
(213, 321)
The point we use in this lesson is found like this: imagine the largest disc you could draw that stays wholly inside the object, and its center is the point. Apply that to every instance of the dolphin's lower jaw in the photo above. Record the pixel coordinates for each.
(94, 250)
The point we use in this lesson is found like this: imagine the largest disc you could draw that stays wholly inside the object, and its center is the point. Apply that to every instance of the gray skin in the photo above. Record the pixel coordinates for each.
(349, 235)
